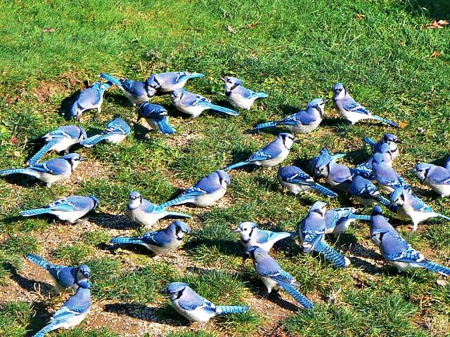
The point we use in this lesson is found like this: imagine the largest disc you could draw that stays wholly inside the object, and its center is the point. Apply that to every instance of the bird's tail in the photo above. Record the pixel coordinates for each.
(178, 215)
(126, 241)
(182, 199)
(436, 268)
(91, 141)
(384, 120)
(265, 125)
(382, 200)
(37, 211)
(41, 153)
(233, 166)
(222, 109)
(165, 127)
(325, 191)
(442, 216)
(298, 296)
(369, 141)
(359, 217)
(46, 329)
(332, 255)
(231, 309)
(186, 77)
(112, 79)
(260, 95)
(25, 170)
(40, 261)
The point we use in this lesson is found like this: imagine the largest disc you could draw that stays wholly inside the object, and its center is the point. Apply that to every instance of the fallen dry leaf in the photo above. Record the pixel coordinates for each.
(402, 124)
(360, 16)
(231, 29)
(437, 24)
(251, 25)
(48, 30)
(436, 54)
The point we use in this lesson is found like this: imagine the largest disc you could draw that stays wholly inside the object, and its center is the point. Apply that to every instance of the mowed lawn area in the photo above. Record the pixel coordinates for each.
(389, 55)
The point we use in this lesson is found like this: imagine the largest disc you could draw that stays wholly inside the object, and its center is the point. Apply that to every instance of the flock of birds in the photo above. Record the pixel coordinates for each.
(360, 182)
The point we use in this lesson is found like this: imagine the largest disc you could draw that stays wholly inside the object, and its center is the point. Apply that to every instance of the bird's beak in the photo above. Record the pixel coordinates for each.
(325, 100)
(223, 79)
(296, 141)
(83, 158)
(237, 230)
(399, 141)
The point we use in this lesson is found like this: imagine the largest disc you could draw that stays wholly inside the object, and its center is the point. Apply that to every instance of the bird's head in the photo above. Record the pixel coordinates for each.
(339, 91)
(177, 94)
(288, 139)
(224, 178)
(421, 170)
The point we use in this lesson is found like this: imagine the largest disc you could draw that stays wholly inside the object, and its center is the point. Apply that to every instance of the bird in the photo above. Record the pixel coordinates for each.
(387, 177)
(239, 96)
(146, 213)
(157, 116)
(337, 220)
(312, 235)
(63, 277)
(251, 235)
(390, 139)
(447, 164)
(116, 131)
(160, 241)
(272, 154)
(436, 177)
(71, 208)
(50, 171)
(337, 176)
(365, 169)
(410, 206)
(366, 192)
(205, 192)
(196, 308)
(272, 275)
(59, 140)
(350, 109)
(297, 181)
(396, 250)
(90, 98)
(137, 92)
(303, 121)
(193, 104)
(72, 312)
(379, 223)
(169, 81)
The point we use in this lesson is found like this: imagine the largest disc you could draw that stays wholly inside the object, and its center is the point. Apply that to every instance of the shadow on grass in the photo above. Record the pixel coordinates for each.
(111, 221)
(433, 9)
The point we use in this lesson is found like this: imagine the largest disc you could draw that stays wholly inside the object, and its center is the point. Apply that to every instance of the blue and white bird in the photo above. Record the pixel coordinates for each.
(63, 277)
(169, 81)
(297, 181)
(88, 99)
(447, 164)
(272, 275)
(303, 121)
(50, 171)
(160, 241)
(116, 131)
(59, 140)
(366, 192)
(387, 177)
(196, 308)
(146, 213)
(71, 208)
(350, 109)
(251, 235)
(156, 116)
(205, 192)
(398, 251)
(312, 235)
(365, 169)
(436, 177)
(337, 176)
(389, 139)
(337, 220)
(239, 96)
(72, 312)
(137, 92)
(409, 206)
(271, 155)
(193, 104)
(379, 224)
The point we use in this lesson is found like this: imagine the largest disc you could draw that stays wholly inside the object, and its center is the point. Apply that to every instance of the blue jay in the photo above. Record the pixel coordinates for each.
(272, 275)
(160, 241)
(389, 139)
(169, 81)
(398, 251)
(337, 175)
(303, 121)
(350, 109)
(239, 96)
(70, 209)
(72, 312)
(205, 192)
(146, 213)
(366, 192)
(59, 140)
(251, 235)
(90, 98)
(196, 308)
(296, 181)
(63, 277)
(272, 154)
(412, 207)
(116, 131)
(366, 169)
(386, 176)
(337, 220)
(447, 164)
(436, 177)
(156, 115)
(378, 223)
(312, 235)
(50, 171)
(136, 92)
(193, 104)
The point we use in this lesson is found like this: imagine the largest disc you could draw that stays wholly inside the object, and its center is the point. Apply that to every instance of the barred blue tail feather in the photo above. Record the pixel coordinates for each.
(359, 217)
(37, 211)
(436, 268)
(369, 141)
(382, 200)
(223, 109)
(111, 79)
(231, 309)
(298, 296)
(323, 190)
(384, 120)
(182, 199)
(125, 240)
(186, 77)
(442, 216)
(41, 152)
(332, 255)
(233, 166)
(40, 261)
(260, 94)
(25, 170)
(266, 125)
(91, 141)
(165, 127)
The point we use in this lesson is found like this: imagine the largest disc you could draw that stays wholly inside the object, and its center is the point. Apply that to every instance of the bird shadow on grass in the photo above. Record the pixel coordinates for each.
(112, 221)
(225, 247)
(32, 286)
(433, 9)
(66, 105)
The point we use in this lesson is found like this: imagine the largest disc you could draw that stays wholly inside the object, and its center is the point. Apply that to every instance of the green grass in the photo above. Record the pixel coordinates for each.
(293, 50)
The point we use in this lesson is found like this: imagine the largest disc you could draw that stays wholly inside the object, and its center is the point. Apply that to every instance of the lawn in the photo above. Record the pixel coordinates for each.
(384, 51)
